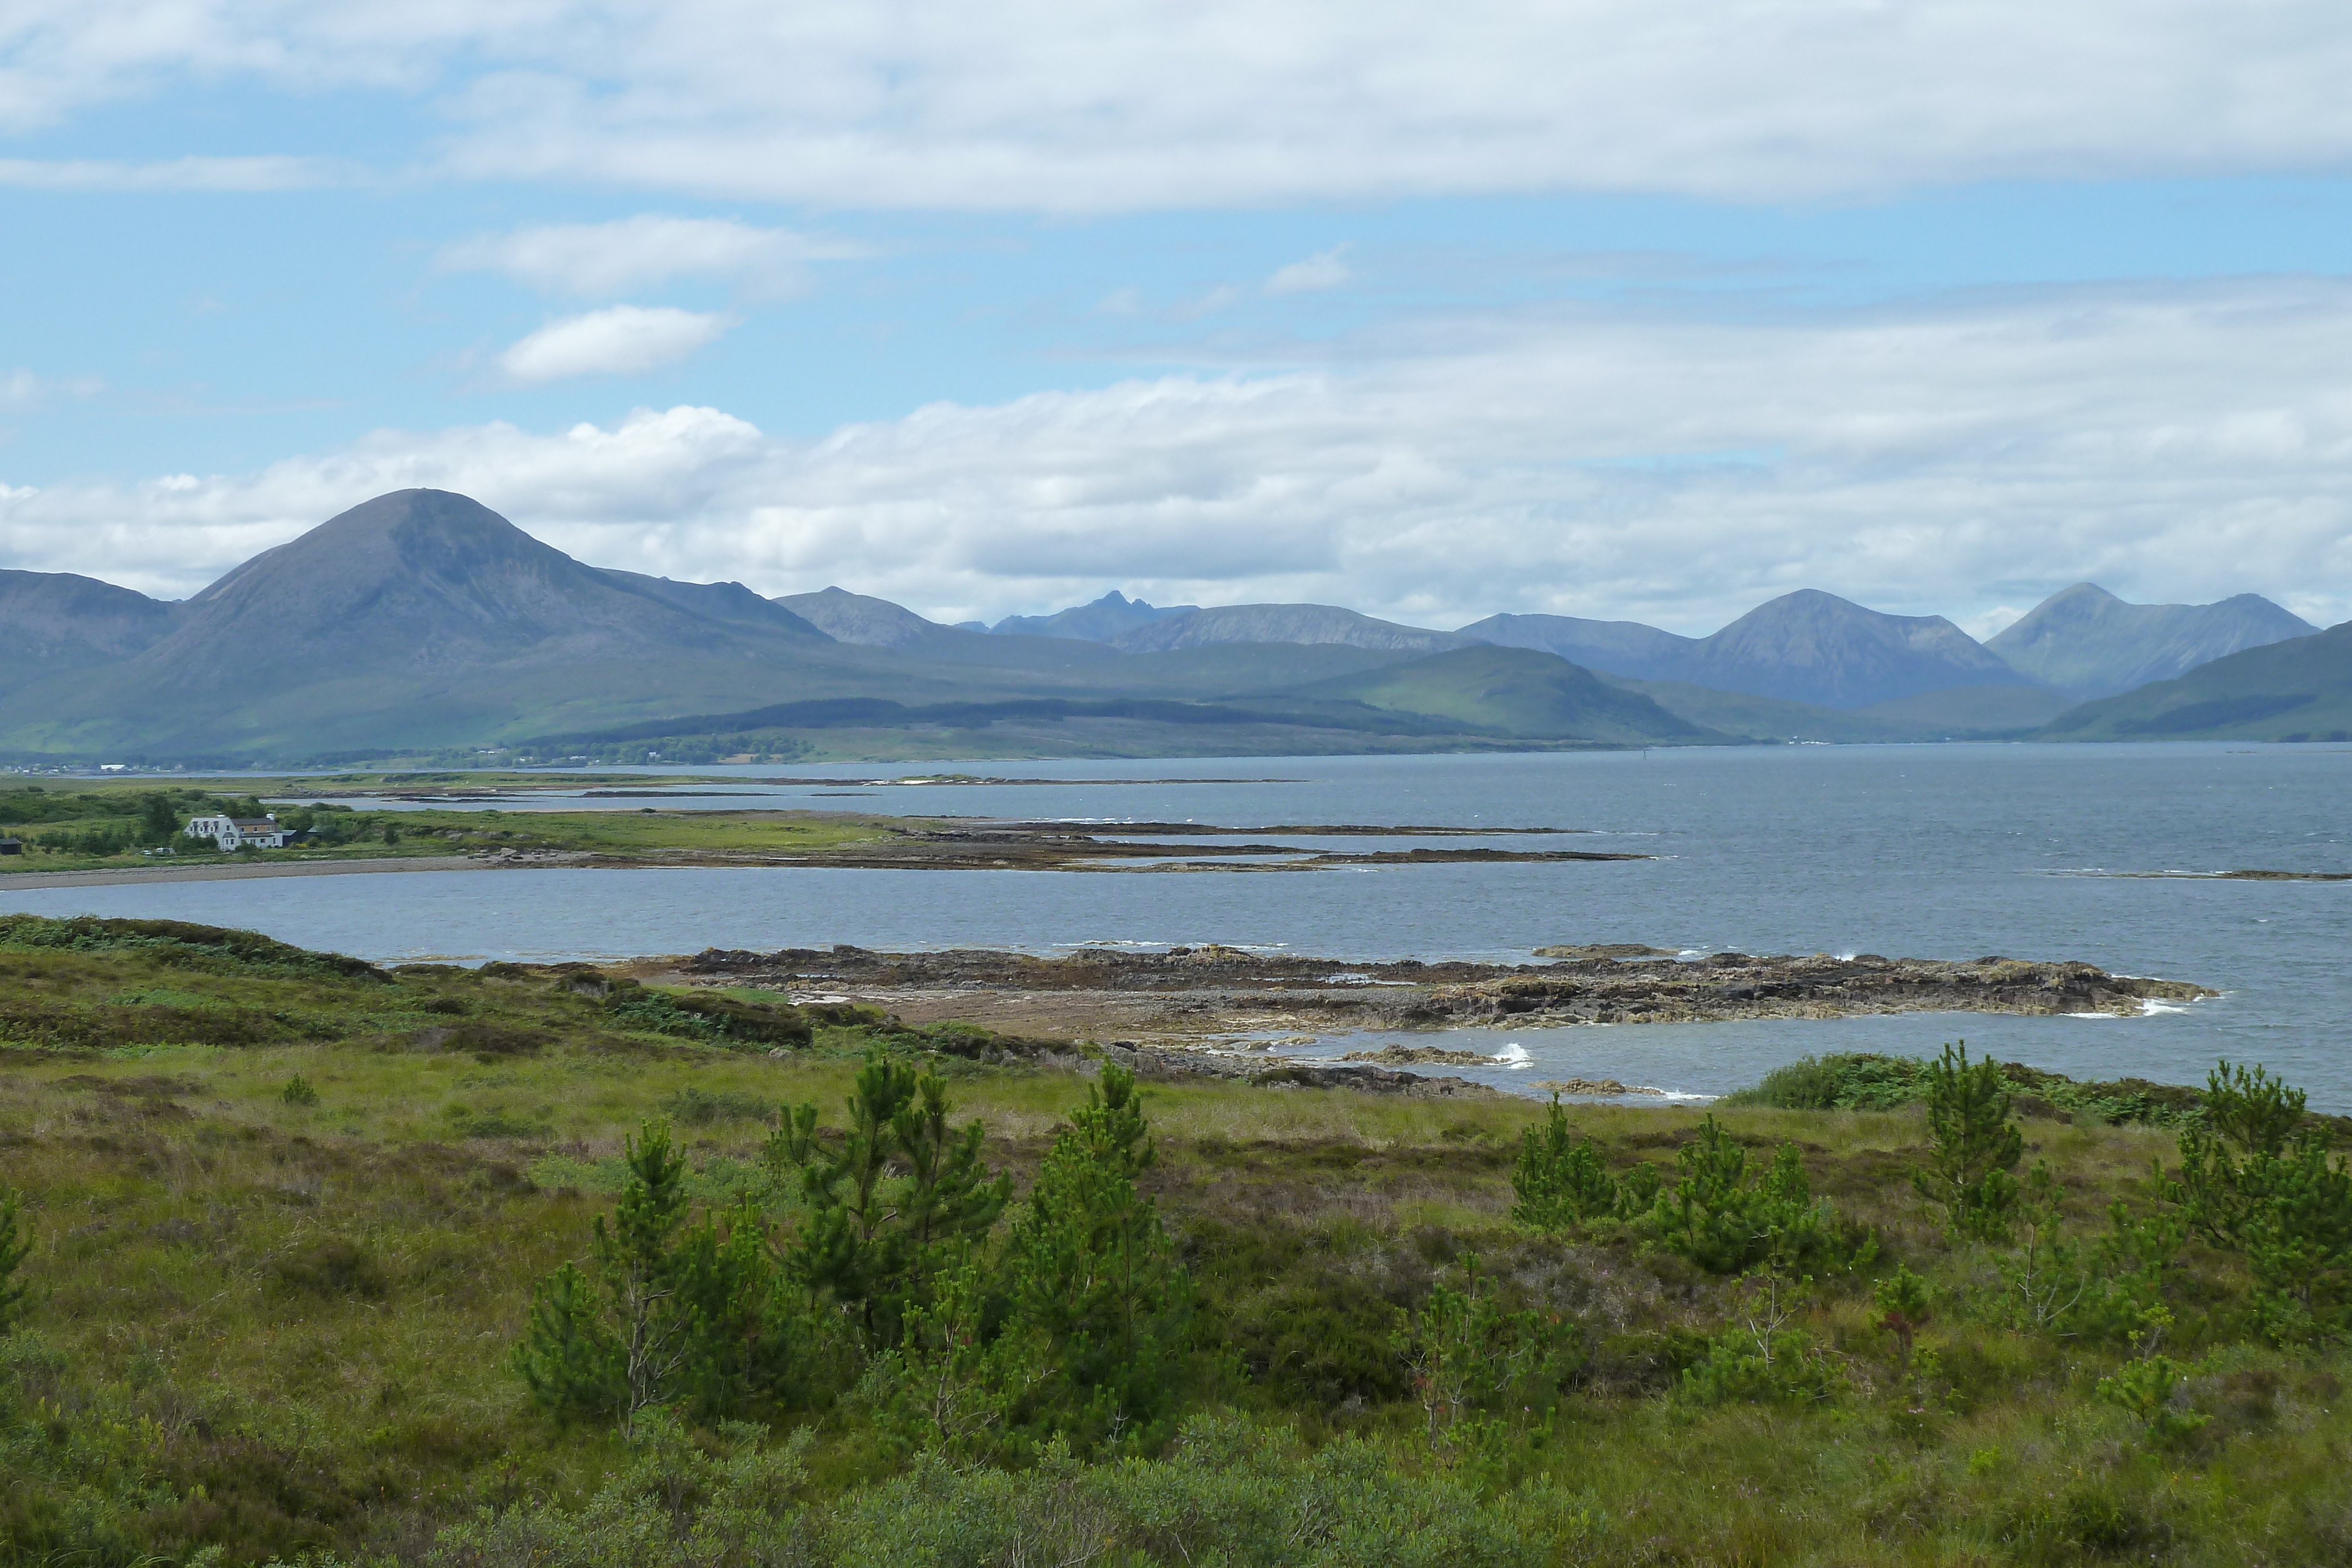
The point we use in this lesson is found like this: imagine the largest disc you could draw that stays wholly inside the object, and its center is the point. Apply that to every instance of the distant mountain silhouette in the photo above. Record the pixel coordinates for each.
(1807, 647)
(868, 622)
(420, 615)
(423, 619)
(1104, 620)
(1815, 647)
(715, 601)
(2299, 689)
(1309, 624)
(2085, 641)
(423, 581)
(1620, 647)
(1516, 691)
(52, 622)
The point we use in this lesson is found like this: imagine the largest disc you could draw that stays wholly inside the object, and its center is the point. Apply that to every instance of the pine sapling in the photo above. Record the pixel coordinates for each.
(1973, 1146)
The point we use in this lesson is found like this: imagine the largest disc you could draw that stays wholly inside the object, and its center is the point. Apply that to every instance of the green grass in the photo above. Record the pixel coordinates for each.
(54, 822)
(275, 1328)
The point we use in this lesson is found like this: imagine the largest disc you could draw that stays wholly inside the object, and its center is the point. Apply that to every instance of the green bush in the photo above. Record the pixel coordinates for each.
(1972, 1145)
(2256, 1177)
(1465, 1355)
(1560, 1182)
(1724, 1220)
(1809, 1085)
(668, 1311)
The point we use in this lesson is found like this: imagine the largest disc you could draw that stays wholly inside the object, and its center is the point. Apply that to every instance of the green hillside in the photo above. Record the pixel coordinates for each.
(1516, 691)
(2296, 690)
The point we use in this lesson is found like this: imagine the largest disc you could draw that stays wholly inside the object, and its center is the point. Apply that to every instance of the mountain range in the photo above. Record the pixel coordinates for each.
(422, 620)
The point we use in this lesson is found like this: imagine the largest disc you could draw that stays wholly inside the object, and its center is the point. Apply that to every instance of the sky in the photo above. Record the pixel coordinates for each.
(1639, 309)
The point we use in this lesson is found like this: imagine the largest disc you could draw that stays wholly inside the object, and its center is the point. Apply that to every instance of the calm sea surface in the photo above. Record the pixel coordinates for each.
(1951, 851)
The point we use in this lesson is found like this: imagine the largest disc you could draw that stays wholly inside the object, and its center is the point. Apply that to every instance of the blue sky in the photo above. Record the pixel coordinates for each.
(1628, 312)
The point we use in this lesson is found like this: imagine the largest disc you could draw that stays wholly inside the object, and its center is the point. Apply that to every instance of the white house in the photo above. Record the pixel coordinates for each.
(229, 834)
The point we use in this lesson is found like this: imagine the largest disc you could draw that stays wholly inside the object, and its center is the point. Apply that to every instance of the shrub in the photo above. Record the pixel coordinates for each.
(2146, 1389)
(1724, 1220)
(671, 1312)
(1464, 1354)
(1973, 1145)
(298, 1092)
(2250, 1180)
(1560, 1182)
(702, 1015)
(332, 1266)
(1811, 1084)
(699, 1108)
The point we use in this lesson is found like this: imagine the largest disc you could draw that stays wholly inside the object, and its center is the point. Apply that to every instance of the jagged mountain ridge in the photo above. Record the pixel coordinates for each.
(422, 618)
(1104, 620)
(1807, 647)
(2087, 642)
(1303, 623)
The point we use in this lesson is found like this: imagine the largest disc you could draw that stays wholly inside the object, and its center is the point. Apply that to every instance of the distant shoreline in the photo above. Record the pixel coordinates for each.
(236, 872)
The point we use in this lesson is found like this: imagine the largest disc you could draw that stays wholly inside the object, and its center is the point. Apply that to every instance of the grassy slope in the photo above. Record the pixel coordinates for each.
(2297, 689)
(271, 1326)
(1517, 692)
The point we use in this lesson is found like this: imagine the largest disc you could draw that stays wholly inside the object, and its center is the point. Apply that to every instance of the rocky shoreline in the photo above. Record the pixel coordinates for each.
(1202, 996)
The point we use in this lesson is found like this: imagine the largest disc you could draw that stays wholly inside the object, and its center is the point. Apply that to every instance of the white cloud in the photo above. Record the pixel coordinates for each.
(605, 259)
(1037, 104)
(2175, 443)
(621, 340)
(1324, 269)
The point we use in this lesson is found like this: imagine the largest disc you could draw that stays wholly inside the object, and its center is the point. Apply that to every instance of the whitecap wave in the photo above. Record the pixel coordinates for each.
(1514, 1056)
(2090, 1015)
(2149, 1006)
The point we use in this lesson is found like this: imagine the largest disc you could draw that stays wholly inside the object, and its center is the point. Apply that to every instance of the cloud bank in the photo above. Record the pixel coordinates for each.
(1037, 104)
(2175, 443)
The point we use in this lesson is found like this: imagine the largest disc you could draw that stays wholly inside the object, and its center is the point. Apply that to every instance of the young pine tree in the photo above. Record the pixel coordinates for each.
(1724, 1221)
(1559, 1181)
(901, 1202)
(2254, 1180)
(1099, 1300)
(668, 1311)
(1973, 1146)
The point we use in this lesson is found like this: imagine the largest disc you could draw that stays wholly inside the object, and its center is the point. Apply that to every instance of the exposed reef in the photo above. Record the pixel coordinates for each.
(1190, 995)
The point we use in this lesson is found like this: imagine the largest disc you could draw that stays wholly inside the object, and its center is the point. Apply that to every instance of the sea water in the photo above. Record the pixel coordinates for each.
(1943, 852)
